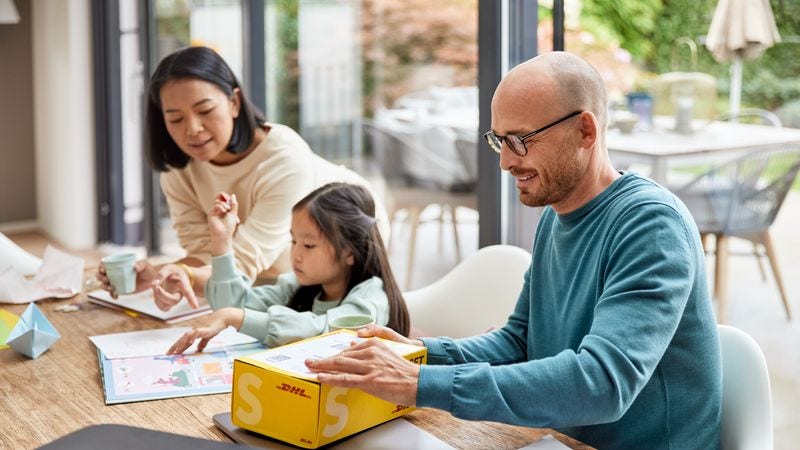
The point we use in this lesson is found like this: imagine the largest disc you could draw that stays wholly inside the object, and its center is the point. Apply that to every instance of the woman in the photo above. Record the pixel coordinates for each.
(205, 137)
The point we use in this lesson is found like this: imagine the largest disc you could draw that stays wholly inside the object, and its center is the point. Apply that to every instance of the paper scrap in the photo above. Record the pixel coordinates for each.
(60, 276)
(7, 322)
(12, 255)
(156, 342)
(548, 442)
(33, 334)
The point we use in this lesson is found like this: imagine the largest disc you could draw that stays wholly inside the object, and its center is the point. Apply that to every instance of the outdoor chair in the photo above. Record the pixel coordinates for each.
(477, 295)
(741, 198)
(412, 190)
(746, 394)
(752, 115)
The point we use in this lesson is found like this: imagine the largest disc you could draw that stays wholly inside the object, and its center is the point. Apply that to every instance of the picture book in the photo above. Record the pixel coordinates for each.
(134, 366)
(167, 376)
(143, 303)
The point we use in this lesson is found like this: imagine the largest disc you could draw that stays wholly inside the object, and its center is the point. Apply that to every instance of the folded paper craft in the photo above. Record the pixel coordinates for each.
(33, 333)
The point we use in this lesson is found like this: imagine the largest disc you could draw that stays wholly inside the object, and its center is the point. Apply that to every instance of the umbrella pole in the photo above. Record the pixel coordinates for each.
(736, 87)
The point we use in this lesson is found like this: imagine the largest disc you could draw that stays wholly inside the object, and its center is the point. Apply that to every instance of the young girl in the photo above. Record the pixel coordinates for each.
(340, 268)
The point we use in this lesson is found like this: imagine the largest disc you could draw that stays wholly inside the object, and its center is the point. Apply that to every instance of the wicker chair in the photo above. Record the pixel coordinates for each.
(741, 198)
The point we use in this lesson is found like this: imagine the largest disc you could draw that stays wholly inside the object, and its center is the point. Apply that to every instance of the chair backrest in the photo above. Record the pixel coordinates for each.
(387, 148)
(477, 295)
(419, 154)
(746, 394)
(744, 195)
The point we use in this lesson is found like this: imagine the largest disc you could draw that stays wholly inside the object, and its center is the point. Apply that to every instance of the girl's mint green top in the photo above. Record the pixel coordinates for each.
(266, 316)
(613, 340)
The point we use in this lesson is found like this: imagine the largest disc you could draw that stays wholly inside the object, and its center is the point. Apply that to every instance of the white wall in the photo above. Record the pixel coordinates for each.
(63, 121)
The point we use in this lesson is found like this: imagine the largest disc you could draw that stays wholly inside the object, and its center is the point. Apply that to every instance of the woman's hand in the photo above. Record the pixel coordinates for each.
(145, 274)
(207, 328)
(171, 285)
(222, 222)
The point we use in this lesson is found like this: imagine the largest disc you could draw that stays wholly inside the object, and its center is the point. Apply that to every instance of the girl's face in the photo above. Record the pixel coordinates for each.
(199, 118)
(314, 258)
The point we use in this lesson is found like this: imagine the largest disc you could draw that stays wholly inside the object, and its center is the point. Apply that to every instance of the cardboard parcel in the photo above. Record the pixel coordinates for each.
(275, 395)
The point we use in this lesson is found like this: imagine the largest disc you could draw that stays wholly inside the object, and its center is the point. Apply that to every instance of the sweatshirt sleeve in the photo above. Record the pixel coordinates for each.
(647, 282)
(279, 325)
(228, 287)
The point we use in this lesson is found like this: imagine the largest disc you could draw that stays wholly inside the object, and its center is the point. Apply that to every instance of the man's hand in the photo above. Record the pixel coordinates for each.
(372, 367)
(387, 333)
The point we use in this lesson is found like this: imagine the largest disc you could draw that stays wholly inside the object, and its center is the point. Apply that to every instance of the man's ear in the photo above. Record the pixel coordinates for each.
(588, 129)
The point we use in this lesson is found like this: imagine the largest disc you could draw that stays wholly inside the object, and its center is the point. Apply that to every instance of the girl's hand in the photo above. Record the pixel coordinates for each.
(145, 274)
(170, 286)
(205, 330)
(222, 222)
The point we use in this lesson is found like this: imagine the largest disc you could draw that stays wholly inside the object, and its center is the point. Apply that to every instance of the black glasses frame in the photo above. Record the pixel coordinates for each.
(516, 142)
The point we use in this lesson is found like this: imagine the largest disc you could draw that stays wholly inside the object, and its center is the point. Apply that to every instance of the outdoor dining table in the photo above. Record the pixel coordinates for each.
(655, 150)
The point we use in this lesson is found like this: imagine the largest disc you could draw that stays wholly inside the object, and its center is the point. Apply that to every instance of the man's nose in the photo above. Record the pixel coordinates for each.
(508, 159)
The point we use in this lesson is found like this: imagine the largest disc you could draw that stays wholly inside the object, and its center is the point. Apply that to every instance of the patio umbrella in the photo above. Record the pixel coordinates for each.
(741, 30)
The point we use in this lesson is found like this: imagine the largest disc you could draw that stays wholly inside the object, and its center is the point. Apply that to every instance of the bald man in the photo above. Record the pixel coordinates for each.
(613, 339)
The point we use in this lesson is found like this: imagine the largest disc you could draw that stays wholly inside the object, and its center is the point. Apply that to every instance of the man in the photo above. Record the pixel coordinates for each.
(613, 339)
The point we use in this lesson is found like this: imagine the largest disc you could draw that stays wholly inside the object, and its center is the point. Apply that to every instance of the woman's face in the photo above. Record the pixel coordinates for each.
(199, 118)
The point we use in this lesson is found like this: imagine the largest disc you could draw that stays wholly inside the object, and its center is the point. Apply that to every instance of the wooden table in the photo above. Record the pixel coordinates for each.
(61, 391)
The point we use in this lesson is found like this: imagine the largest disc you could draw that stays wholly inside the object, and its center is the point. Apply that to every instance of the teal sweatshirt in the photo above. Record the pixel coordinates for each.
(266, 316)
(613, 339)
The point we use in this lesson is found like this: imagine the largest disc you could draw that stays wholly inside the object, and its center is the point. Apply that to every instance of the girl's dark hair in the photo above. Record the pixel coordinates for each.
(199, 63)
(345, 213)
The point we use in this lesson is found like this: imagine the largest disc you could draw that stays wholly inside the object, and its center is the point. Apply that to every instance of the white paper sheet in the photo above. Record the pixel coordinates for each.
(12, 255)
(156, 342)
(60, 275)
(546, 443)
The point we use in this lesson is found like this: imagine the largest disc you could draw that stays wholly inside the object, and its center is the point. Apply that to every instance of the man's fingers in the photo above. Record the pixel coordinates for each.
(348, 380)
(353, 362)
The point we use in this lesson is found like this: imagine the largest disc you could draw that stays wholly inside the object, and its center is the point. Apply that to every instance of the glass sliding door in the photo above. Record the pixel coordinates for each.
(389, 89)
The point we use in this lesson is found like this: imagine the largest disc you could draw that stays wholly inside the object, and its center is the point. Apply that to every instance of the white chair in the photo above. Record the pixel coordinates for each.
(746, 397)
(477, 295)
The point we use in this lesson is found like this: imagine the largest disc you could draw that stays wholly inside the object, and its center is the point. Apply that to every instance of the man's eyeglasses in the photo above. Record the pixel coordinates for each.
(516, 142)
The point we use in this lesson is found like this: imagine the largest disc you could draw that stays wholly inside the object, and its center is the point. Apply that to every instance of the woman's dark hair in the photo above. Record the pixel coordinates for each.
(345, 213)
(199, 63)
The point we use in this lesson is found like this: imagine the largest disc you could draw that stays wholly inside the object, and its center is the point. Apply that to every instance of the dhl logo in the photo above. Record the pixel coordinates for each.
(417, 360)
(293, 390)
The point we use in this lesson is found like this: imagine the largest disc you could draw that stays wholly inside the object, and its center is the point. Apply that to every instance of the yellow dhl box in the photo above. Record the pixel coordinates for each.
(274, 394)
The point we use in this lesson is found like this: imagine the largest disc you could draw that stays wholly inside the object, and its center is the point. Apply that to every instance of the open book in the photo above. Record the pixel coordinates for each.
(143, 303)
(134, 367)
